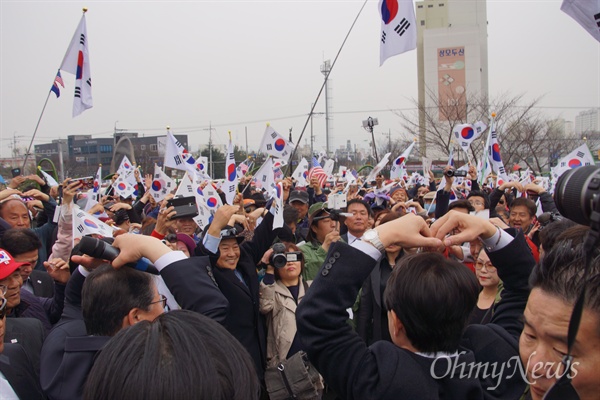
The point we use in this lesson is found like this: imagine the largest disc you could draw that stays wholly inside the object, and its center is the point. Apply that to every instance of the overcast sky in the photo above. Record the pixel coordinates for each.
(240, 64)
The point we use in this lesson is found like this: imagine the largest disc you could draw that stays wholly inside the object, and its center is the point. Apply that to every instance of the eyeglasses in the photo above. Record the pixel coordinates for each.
(488, 266)
(163, 300)
(3, 310)
(477, 203)
(3, 289)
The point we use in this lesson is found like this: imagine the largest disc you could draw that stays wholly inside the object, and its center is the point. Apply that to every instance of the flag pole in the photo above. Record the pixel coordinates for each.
(35, 131)
(310, 114)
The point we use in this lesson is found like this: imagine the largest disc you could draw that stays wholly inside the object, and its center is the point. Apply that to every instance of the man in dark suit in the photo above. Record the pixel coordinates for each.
(429, 299)
(30, 334)
(358, 223)
(23, 245)
(235, 272)
(17, 374)
(109, 299)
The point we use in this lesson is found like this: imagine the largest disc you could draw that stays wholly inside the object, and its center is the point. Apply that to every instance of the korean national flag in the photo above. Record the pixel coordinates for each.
(276, 145)
(398, 28)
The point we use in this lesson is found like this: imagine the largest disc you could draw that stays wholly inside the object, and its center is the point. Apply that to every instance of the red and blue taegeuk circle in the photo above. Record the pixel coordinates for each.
(122, 186)
(90, 223)
(279, 144)
(400, 160)
(199, 191)
(496, 152)
(574, 163)
(231, 172)
(389, 10)
(467, 132)
(157, 185)
(211, 202)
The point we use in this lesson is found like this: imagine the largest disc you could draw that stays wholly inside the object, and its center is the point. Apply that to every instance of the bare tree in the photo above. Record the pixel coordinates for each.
(524, 134)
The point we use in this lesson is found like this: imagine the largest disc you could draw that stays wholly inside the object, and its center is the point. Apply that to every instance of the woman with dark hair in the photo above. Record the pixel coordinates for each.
(491, 288)
(180, 355)
(280, 292)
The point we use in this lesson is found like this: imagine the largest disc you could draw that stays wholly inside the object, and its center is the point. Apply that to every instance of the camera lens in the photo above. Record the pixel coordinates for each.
(278, 258)
(574, 194)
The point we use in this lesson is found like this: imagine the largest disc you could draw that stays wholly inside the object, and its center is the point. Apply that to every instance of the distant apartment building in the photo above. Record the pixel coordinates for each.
(587, 121)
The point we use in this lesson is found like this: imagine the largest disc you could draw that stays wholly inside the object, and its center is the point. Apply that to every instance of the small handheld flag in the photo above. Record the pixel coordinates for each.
(57, 81)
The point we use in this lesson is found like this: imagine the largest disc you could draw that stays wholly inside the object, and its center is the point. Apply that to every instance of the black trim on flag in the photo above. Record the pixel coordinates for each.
(597, 19)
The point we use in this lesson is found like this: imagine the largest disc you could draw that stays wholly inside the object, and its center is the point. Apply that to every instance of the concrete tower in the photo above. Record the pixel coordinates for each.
(452, 56)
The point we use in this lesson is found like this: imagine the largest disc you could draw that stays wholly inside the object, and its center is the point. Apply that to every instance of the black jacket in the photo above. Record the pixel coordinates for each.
(30, 334)
(42, 283)
(68, 353)
(244, 320)
(18, 370)
(385, 371)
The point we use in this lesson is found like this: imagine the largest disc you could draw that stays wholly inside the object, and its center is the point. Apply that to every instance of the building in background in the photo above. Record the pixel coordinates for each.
(81, 154)
(452, 55)
(587, 122)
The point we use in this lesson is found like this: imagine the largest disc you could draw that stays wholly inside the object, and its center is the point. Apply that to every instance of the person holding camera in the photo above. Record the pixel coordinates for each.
(281, 291)
(323, 231)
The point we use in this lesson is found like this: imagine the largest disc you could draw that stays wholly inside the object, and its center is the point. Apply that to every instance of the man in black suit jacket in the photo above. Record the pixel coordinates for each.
(429, 300)
(24, 245)
(235, 272)
(16, 367)
(30, 334)
(68, 352)
(41, 283)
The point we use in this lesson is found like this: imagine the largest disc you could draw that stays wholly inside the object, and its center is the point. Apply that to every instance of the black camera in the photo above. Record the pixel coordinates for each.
(577, 194)
(280, 257)
(458, 173)
(185, 207)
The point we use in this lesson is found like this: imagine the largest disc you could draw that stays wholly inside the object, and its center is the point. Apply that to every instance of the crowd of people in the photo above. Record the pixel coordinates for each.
(387, 290)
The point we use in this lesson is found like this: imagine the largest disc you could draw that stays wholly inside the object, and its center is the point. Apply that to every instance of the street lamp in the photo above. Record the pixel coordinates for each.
(368, 124)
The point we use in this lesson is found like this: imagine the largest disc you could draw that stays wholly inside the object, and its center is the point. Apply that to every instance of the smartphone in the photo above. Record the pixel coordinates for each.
(185, 207)
(15, 172)
(83, 181)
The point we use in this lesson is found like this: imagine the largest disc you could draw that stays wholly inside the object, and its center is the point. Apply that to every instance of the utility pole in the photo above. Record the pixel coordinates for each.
(246, 129)
(389, 135)
(210, 166)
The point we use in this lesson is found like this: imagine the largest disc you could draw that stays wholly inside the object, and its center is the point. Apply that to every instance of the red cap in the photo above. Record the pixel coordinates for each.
(7, 264)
